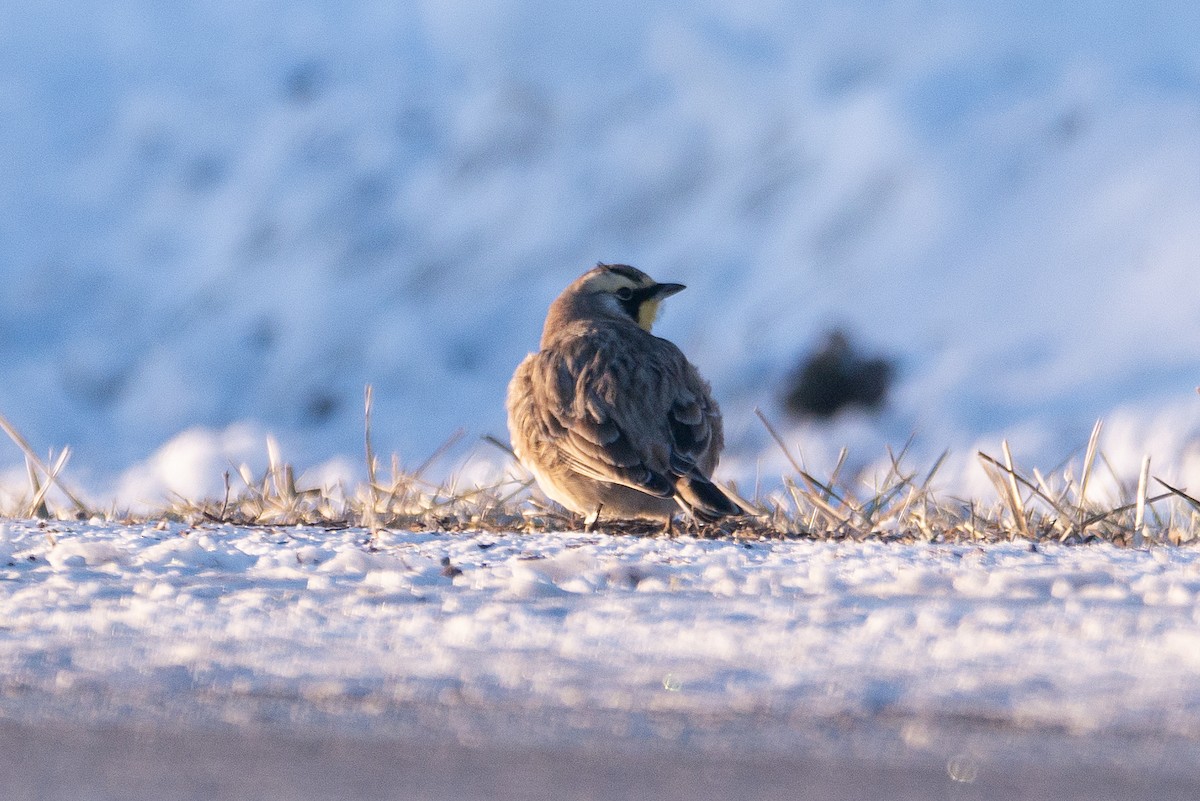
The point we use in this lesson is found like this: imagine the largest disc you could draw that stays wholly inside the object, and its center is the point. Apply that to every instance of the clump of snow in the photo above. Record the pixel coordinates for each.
(242, 214)
(6, 542)
(195, 465)
(191, 465)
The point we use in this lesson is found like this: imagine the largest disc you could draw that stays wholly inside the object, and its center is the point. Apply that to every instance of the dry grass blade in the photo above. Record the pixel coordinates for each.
(282, 475)
(1128, 492)
(1117, 510)
(747, 505)
(1089, 462)
(814, 485)
(224, 499)
(1002, 476)
(441, 451)
(817, 499)
(893, 486)
(37, 507)
(31, 457)
(934, 470)
(894, 471)
(995, 473)
(488, 438)
(1014, 494)
(1195, 504)
(372, 482)
(1042, 484)
(798, 502)
(368, 403)
(843, 454)
(1026, 482)
(1139, 518)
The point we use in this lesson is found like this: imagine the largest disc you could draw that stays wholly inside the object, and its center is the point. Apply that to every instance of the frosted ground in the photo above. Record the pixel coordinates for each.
(833, 670)
(220, 222)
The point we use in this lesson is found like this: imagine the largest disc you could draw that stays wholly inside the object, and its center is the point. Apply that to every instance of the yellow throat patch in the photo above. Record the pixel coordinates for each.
(647, 314)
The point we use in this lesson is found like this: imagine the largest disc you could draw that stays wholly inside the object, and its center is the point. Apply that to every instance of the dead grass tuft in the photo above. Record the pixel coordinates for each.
(901, 505)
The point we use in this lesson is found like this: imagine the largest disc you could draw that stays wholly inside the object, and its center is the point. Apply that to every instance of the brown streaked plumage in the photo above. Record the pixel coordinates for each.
(610, 419)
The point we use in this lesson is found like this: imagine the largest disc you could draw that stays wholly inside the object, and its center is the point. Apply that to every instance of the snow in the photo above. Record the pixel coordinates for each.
(653, 641)
(230, 218)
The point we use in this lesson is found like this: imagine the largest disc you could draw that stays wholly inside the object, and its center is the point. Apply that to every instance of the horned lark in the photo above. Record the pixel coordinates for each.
(611, 419)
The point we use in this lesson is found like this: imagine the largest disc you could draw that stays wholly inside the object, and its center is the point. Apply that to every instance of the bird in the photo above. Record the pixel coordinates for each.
(611, 419)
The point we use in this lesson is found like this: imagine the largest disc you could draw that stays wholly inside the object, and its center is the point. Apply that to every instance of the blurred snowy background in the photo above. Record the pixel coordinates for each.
(222, 220)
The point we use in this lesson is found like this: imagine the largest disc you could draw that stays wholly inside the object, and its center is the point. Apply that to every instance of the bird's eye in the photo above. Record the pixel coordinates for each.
(624, 293)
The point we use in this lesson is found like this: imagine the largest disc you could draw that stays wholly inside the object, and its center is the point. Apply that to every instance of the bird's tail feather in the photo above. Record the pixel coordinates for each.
(704, 500)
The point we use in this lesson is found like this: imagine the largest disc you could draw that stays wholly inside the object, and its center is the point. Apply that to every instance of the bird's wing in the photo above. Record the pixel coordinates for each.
(586, 402)
(696, 441)
(694, 425)
(644, 413)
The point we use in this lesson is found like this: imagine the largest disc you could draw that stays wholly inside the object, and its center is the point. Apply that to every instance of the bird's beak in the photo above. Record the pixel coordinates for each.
(648, 298)
(661, 291)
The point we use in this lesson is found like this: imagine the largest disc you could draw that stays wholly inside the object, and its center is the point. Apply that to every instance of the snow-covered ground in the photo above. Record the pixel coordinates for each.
(222, 221)
(219, 221)
(950, 655)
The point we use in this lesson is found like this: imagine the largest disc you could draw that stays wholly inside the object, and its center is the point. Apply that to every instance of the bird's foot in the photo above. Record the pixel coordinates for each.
(589, 523)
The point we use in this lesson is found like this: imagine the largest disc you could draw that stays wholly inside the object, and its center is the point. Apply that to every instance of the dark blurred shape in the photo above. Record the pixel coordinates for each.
(836, 376)
(320, 407)
(304, 82)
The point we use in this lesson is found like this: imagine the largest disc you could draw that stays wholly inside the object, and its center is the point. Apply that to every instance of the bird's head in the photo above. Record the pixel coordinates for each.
(619, 291)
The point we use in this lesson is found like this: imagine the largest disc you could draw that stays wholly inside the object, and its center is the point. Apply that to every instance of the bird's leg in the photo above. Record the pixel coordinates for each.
(668, 529)
(589, 523)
